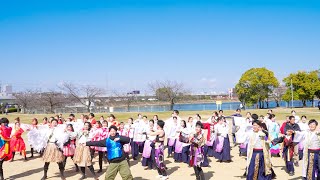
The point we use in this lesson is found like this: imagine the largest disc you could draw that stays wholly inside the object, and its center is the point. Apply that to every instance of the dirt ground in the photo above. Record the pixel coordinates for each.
(33, 169)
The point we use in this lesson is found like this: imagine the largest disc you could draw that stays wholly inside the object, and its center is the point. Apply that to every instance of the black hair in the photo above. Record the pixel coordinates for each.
(176, 111)
(156, 116)
(111, 115)
(254, 116)
(145, 117)
(291, 117)
(199, 124)
(270, 110)
(105, 121)
(293, 111)
(161, 123)
(184, 123)
(216, 113)
(220, 110)
(313, 121)
(304, 116)
(174, 117)
(100, 124)
(151, 120)
(113, 127)
(273, 115)
(72, 115)
(198, 115)
(70, 125)
(4, 121)
(238, 110)
(91, 114)
(90, 125)
(54, 120)
(257, 122)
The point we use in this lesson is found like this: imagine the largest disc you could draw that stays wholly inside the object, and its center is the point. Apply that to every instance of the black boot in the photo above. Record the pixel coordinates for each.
(92, 171)
(100, 165)
(83, 172)
(13, 153)
(45, 172)
(1, 174)
(31, 153)
(62, 174)
(77, 167)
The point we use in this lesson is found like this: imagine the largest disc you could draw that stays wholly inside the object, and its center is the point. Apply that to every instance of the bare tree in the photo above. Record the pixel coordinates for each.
(168, 91)
(52, 100)
(277, 94)
(83, 94)
(26, 100)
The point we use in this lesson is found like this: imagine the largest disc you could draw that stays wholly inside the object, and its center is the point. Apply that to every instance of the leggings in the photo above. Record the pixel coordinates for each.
(60, 164)
(100, 153)
(199, 173)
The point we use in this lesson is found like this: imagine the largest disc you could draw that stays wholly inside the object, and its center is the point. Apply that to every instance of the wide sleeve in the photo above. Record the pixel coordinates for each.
(124, 139)
(277, 140)
(101, 143)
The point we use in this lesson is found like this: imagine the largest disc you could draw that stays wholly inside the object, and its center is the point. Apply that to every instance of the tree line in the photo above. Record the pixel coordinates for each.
(89, 95)
(259, 85)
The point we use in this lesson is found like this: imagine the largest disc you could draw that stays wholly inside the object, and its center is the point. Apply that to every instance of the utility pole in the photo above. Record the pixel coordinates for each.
(291, 94)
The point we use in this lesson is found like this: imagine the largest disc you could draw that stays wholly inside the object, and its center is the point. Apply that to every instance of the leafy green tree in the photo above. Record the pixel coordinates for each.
(305, 85)
(255, 85)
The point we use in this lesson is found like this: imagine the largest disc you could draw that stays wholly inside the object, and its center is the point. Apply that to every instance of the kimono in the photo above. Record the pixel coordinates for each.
(139, 138)
(258, 157)
(303, 127)
(182, 147)
(310, 163)
(196, 150)
(222, 148)
(148, 154)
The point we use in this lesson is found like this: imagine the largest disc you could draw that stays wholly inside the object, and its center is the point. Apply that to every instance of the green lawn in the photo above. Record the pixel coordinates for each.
(281, 113)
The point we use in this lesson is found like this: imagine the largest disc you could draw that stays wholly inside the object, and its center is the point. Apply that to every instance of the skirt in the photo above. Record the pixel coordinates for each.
(52, 154)
(313, 165)
(82, 156)
(224, 155)
(159, 157)
(69, 150)
(18, 145)
(256, 170)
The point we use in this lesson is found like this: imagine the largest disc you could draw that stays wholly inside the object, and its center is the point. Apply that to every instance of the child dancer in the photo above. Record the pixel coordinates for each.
(70, 146)
(17, 143)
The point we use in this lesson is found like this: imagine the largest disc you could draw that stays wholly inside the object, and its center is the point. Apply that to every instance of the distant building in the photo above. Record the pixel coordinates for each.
(6, 94)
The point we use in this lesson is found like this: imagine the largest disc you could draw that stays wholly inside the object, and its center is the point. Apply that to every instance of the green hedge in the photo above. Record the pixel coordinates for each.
(10, 110)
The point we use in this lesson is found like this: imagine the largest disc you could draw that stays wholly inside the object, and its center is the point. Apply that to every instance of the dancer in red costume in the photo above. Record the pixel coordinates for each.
(5, 151)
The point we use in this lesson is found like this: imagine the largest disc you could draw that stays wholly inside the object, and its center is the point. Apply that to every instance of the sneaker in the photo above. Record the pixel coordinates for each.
(159, 177)
(165, 177)
(291, 173)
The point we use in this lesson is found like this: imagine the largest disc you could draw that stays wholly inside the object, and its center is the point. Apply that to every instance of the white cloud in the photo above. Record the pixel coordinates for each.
(209, 82)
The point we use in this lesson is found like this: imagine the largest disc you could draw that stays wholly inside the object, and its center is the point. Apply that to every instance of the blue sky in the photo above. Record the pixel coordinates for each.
(125, 44)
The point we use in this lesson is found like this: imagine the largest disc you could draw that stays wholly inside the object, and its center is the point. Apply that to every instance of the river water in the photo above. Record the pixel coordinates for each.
(206, 106)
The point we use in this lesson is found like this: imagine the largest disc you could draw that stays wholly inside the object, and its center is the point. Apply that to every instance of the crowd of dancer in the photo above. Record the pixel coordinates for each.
(190, 141)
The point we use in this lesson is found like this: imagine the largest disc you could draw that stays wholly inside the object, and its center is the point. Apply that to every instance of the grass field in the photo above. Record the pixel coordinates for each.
(281, 113)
